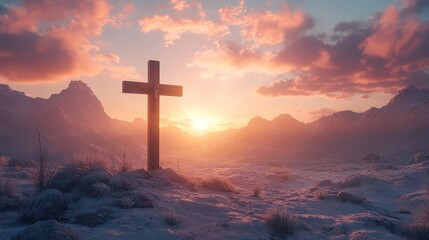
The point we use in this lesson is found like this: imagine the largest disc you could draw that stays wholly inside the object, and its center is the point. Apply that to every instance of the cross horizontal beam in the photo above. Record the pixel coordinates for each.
(146, 88)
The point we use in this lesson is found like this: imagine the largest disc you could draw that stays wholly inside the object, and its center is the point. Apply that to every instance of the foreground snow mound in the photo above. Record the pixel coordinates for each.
(48, 204)
(46, 230)
(358, 180)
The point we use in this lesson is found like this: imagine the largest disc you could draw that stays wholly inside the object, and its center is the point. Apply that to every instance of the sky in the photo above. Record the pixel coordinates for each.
(235, 59)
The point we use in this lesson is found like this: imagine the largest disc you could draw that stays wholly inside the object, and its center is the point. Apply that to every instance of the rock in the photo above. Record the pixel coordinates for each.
(94, 176)
(135, 200)
(7, 203)
(420, 157)
(371, 157)
(142, 201)
(18, 162)
(95, 218)
(358, 180)
(324, 183)
(124, 202)
(46, 205)
(349, 197)
(99, 190)
(46, 230)
(121, 182)
(68, 178)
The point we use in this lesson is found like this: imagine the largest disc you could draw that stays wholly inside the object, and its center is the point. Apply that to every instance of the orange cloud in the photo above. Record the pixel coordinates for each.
(174, 28)
(179, 5)
(47, 40)
(50, 40)
(383, 55)
(266, 27)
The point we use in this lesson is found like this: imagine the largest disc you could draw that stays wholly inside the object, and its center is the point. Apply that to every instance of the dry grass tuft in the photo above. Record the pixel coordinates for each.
(7, 187)
(218, 184)
(126, 165)
(257, 191)
(44, 169)
(419, 226)
(280, 220)
(282, 173)
(170, 217)
(321, 194)
(86, 159)
(3, 161)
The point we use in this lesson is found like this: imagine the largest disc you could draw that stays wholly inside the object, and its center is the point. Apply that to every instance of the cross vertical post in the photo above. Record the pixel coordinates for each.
(153, 116)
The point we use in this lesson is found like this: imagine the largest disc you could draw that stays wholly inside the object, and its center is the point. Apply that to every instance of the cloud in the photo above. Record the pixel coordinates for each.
(179, 5)
(174, 28)
(382, 55)
(267, 27)
(111, 63)
(122, 18)
(45, 40)
(51, 40)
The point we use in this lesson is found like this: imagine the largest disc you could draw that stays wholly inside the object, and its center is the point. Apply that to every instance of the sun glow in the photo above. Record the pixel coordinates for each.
(201, 124)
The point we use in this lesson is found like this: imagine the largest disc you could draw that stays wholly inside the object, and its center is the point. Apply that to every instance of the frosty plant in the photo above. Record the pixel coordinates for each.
(6, 187)
(281, 221)
(43, 170)
(170, 217)
(125, 163)
(218, 184)
(257, 191)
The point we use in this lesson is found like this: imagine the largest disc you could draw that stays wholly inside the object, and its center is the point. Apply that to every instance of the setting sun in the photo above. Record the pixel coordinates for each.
(201, 124)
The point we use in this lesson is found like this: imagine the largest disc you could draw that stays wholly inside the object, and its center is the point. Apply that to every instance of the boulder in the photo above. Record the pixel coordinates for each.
(371, 157)
(46, 230)
(421, 157)
(99, 189)
(19, 162)
(68, 178)
(120, 182)
(134, 200)
(95, 218)
(325, 183)
(91, 219)
(46, 205)
(7, 203)
(95, 175)
(349, 197)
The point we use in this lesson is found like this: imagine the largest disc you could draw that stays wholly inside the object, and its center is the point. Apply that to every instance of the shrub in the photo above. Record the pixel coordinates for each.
(90, 159)
(419, 226)
(125, 163)
(282, 173)
(218, 184)
(281, 221)
(43, 170)
(7, 188)
(170, 217)
(3, 161)
(257, 191)
(322, 194)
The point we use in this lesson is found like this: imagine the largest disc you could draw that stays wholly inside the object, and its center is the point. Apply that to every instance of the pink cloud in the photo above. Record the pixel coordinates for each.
(174, 28)
(179, 5)
(47, 40)
(51, 40)
(266, 27)
(358, 58)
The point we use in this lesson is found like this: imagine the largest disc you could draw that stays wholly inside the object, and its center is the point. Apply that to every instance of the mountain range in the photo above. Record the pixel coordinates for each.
(74, 120)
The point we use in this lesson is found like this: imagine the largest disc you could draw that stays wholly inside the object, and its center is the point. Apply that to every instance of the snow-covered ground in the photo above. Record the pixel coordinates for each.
(329, 201)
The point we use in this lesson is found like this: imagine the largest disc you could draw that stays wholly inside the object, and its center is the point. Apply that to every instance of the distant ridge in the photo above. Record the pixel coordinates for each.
(75, 119)
(401, 126)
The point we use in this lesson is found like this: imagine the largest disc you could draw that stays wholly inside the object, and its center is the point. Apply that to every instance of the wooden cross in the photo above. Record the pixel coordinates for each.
(153, 89)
